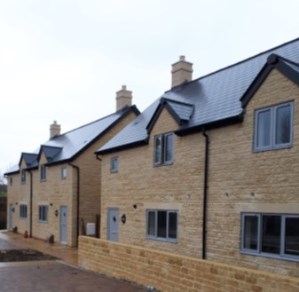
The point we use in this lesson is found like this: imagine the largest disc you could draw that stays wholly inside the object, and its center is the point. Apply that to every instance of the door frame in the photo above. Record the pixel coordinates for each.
(11, 216)
(60, 224)
(108, 223)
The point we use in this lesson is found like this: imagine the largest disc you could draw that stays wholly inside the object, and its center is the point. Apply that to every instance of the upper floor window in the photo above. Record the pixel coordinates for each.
(10, 181)
(23, 211)
(163, 149)
(162, 224)
(43, 213)
(63, 172)
(114, 164)
(270, 234)
(23, 176)
(43, 172)
(273, 127)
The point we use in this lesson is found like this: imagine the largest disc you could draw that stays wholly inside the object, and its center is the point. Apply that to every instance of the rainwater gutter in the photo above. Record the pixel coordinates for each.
(78, 200)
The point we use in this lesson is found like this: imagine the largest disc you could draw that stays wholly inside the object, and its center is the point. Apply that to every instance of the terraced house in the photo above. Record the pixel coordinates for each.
(210, 169)
(54, 192)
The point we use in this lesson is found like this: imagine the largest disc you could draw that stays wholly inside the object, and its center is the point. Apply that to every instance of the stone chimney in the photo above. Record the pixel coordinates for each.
(181, 72)
(54, 130)
(123, 98)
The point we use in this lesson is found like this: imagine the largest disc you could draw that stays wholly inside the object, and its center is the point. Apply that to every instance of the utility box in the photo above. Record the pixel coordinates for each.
(90, 229)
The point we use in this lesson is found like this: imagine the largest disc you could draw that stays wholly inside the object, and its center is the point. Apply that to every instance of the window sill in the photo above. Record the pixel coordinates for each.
(278, 147)
(271, 256)
(163, 164)
(42, 222)
(166, 240)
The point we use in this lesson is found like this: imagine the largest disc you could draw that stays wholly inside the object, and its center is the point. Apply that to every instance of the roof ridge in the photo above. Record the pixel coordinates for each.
(235, 64)
(124, 109)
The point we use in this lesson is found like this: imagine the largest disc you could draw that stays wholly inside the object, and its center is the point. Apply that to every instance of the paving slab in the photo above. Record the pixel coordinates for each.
(52, 276)
(61, 275)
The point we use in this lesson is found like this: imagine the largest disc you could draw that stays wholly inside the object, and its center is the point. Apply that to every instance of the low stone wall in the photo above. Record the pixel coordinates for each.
(169, 272)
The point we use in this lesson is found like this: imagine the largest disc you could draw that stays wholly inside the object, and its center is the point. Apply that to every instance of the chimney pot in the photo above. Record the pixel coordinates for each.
(181, 72)
(54, 129)
(123, 98)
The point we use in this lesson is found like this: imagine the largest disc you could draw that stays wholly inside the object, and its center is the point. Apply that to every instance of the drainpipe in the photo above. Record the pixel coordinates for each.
(98, 217)
(78, 200)
(31, 205)
(205, 195)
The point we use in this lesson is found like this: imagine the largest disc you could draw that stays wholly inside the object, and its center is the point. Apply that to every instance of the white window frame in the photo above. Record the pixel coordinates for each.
(161, 158)
(23, 211)
(155, 235)
(43, 213)
(273, 118)
(258, 251)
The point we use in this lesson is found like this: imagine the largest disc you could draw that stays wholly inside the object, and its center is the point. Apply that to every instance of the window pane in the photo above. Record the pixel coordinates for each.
(250, 240)
(283, 125)
(43, 213)
(23, 176)
(292, 236)
(263, 128)
(161, 224)
(63, 172)
(43, 172)
(114, 164)
(158, 149)
(271, 234)
(168, 147)
(172, 225)
(151, 223)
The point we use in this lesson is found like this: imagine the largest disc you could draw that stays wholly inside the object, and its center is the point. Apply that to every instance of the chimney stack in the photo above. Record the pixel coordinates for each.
(181, 72)
(123, 98)
(54, 130)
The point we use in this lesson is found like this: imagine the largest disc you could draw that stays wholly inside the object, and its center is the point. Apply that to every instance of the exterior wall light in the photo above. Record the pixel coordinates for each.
(123, 218)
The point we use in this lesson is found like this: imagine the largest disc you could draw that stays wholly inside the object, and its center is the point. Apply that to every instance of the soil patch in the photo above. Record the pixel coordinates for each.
(23, 255)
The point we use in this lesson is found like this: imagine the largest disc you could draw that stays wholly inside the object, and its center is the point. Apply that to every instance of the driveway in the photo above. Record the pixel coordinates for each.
(52, 275)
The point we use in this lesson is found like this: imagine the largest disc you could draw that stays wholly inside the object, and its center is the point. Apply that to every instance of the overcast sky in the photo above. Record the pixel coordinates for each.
(65, 59)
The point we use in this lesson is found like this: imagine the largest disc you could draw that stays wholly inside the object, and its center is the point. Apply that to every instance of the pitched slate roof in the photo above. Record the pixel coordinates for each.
(205, 102)
(67, 146)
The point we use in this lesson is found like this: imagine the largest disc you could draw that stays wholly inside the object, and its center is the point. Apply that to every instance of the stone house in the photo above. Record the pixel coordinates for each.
(210, 169)
(55, 191)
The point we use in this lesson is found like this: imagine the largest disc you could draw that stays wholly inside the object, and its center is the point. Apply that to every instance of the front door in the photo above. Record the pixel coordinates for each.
(63, 224)
(10, 218)
(113, 224)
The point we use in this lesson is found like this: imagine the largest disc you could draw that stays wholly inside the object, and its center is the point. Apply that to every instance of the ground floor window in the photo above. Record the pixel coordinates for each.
(43, 213)
(162, 224)
(23, 211)
(270, 234)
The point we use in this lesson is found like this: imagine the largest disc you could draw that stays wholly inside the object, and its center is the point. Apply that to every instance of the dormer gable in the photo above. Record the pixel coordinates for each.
(180, 111)
(49, 152)
(28, 160)
(286, 67)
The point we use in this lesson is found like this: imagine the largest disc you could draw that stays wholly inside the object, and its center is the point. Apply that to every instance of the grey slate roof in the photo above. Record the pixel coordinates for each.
(69, 145)
(209, 99)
